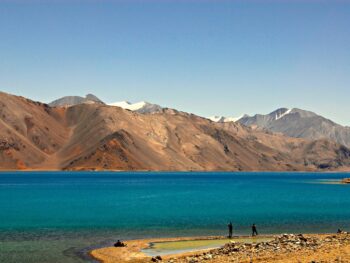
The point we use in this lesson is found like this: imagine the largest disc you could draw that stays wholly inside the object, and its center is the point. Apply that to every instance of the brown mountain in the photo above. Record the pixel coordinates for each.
(75, 100)
(34, 135)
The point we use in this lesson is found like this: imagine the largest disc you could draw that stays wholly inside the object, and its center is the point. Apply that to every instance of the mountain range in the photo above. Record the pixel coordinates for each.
(140, 107)
(295, 123)
(96, 136)
(299, 124)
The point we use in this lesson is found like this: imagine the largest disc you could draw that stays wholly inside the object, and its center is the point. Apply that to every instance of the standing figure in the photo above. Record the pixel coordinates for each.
(230, 230)
(254, 231)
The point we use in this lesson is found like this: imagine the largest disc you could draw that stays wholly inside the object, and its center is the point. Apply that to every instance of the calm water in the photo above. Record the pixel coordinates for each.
(57, 217)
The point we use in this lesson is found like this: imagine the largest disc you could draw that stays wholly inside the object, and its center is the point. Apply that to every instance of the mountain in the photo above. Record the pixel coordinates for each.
(224, 119)
(94, 136)
(299, 124)
(75, 100)
(140, 107)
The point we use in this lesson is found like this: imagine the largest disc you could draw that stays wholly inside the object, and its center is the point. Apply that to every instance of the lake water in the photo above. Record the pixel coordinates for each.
(59, 216)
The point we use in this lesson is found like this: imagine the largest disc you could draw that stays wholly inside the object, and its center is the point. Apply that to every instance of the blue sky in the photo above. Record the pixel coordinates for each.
(206, 57)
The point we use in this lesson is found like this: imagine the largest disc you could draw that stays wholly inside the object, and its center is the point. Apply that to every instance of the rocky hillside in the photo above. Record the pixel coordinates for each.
(300, 124)
(94, 136)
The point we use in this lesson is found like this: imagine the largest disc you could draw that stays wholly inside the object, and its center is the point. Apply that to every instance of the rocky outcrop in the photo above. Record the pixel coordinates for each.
(283, 244)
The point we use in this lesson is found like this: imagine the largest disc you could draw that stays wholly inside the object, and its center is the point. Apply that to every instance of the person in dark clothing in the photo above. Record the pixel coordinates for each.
(119, 244)
(254, 231)
(230, 230)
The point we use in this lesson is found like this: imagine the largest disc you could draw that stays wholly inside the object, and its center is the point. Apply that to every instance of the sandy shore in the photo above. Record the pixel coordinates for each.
(132, 252)
(289, 248)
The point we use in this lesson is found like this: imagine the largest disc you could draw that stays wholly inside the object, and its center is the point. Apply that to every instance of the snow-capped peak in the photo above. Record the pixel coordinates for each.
(122, 104)
(129, 106)
(217, 118)
(234, 119)
(141, 107)
(224, 119)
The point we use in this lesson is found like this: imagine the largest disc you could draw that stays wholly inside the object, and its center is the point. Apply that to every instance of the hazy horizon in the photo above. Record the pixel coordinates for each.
(205, 57)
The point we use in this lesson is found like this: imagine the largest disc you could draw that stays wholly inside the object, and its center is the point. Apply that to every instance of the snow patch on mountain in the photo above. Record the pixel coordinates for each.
(224, 119)
(129, 106)
(281, 115)
(141, 107)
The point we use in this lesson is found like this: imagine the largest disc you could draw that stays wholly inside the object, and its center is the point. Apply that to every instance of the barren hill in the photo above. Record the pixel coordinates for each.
(100, 137)
(75, 100)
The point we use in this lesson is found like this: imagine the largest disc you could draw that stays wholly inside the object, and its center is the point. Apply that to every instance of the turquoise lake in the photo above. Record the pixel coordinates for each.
(60, 216)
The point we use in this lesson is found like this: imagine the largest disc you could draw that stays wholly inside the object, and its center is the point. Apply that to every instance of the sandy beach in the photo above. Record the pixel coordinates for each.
(282, 248)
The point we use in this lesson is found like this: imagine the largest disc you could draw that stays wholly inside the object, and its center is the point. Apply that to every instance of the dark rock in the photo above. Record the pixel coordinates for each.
(156, 259)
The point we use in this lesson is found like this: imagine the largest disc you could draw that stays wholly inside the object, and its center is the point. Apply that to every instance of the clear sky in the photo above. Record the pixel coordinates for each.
(206, 57)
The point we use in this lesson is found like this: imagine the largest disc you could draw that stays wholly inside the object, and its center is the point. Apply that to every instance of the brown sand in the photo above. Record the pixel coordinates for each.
(327, 253)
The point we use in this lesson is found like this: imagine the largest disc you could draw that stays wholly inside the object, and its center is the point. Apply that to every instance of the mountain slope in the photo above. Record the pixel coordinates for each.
(94, 136)
(30, 132)
(75, 100)
(300, 124)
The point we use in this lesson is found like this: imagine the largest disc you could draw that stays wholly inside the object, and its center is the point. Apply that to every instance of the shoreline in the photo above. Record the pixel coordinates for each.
(133, 251)
(305, 248)
(344, 171)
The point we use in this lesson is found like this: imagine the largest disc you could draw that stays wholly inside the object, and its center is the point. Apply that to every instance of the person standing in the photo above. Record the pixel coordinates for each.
(254, 231)
(230, 230)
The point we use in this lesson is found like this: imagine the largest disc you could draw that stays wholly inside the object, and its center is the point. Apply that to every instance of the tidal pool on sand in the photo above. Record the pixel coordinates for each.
(174, 247)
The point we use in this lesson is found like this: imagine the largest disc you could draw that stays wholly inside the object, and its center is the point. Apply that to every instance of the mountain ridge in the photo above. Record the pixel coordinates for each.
(68, 101)
(300, 124)
(35, 136)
